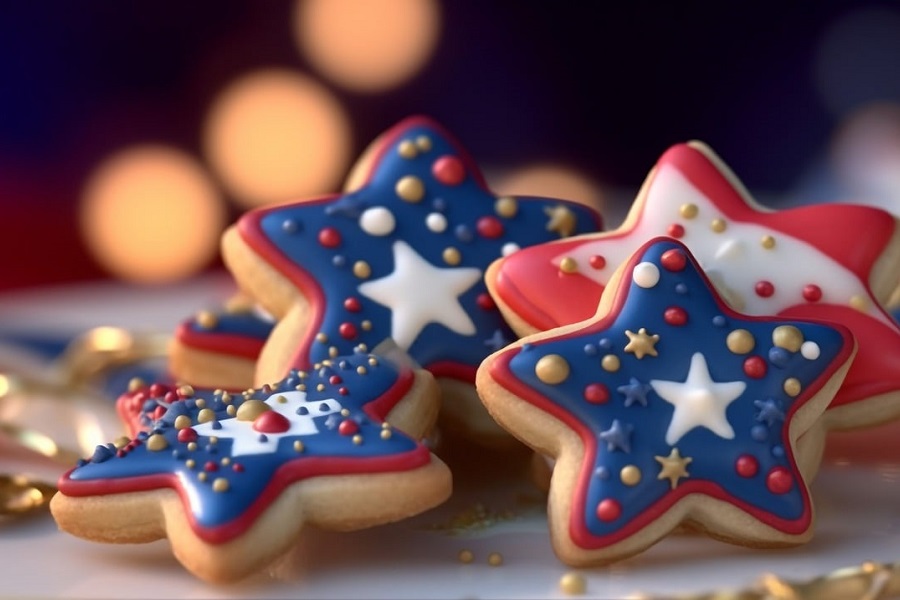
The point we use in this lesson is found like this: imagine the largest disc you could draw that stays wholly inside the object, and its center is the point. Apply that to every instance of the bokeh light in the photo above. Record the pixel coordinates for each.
(367, 45)
(276, 135)
(151, 214)
(553, 181)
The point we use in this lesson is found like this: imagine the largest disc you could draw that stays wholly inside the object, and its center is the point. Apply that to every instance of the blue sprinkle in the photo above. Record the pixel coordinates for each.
(177, 454)
(290, 226)
(605, 343)
(777, 451)
(211, 448)
(263, 437)
(681, 288)
(759, 433)
(590, 349)
(779, 357)
(216, 425)
(601, 473)
(463, 233)
(101, 454)
(303, 411)
(143, 435)
(719, 321)
(439, 204)
(339, 260)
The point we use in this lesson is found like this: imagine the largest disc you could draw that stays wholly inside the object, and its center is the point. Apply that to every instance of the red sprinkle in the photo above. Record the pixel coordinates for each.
(675, 230)
(485, 302)
(187, 435)
(597, 262)
(335, 379)
(675, 315)
(673, 260)
(812, 293)
(746, 465)
(489, 227)
(170, 397)
(120, 452)
(237, 468)
(608, 510)
(347, 331)
(210, 466)
(596, 393)
(755, 367)
(449, 170)
(779, 480)
(158, 412)
(348, 427)
(271, 421)
(352, 304)
(343, 391)
(764, 289)
(158, 389)
(329, 237)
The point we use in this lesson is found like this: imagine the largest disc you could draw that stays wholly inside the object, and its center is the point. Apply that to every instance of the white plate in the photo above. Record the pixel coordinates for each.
(857, 497)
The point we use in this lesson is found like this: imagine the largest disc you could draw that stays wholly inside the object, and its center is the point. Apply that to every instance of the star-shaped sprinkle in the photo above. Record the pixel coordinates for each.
(769, 411)
(402, 255)
(699, 401)
(711, 369)
(673, 467)
(641, 343)
(795, 263)
(229, 457)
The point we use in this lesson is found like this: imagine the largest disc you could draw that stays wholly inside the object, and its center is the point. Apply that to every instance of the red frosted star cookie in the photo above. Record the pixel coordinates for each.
(830, 262)
(399, 256)
(670, 409)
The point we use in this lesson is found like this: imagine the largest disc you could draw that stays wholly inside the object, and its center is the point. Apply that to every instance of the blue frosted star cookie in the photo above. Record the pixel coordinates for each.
(669, 409)
(399, 256)
(232, 479)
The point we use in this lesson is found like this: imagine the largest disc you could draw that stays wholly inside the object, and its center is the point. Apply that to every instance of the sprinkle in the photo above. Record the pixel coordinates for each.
(182, 421)
(572, 584)
(465, 556)
(495, 559)
(410, 188)
(552, 369)
(688, 211)
(220, 484)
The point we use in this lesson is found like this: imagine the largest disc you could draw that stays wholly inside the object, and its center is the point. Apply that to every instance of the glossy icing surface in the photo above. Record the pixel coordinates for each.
(674, 394)
(403, 255)
(235, 333)
(810, 262)
(229, 456)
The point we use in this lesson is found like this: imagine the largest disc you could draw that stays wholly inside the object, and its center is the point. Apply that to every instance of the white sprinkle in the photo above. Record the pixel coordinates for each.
(508, 248)
(436, 222)
(810, 350)
(646, 275)
(377, 221)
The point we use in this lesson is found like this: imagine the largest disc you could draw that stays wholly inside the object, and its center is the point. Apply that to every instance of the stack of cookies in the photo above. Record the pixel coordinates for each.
(678, 373)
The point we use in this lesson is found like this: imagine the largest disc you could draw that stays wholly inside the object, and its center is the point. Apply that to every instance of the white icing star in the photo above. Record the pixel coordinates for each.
(699, 401)
(247, 440)
(418, 293)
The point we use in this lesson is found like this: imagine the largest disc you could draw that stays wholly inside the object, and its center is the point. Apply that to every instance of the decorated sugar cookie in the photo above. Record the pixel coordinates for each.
(232, 479)
(829, 262)
(219, 348)
(669, 409)
(401, 256)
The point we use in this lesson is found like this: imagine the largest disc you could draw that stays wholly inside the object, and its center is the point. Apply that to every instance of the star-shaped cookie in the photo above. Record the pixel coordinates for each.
(232, 479)
(831, 262)
(400, 256)
(702, 433)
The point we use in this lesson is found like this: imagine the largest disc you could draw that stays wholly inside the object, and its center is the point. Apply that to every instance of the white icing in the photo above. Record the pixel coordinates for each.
(436, 222)
(734, 259)
(418, 293)
(378, 221)
(699, 401)
(646, 275)
(508, 248)
(246, 440)
(810, 350)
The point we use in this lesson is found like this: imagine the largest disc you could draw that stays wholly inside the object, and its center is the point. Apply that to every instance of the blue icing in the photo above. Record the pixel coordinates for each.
(211, 508)
(756, 415)
(462, 205)
(243, 323)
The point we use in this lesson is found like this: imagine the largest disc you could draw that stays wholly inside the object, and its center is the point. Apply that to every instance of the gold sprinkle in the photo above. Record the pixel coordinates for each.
(788, 337)
(495, 559)
(202, 475)
(190, 463)
(568, 265)
(561, 220)
(157, 442)
(451, 256)
(200, 403)
(767, 242)
(859, 303)
(552, 369)
(407, 149)
(357, 439)
(792, 386)
(192, 446)
(225, 461)
(320, 387)
(506, 207)
(610, 363)
(410, 188)
(361, 370)
(231, 410)
(740, 341)
(182, 421)
(135, 383)
(361, 269)
(573, 584)
(213, 440)
(673, 467)
(300, 387)
(641, 343)
(321, 337)
(630, 475)
(249, 410)
(206, 319)
(121, 441)
(385, 425)
(373, 361)
(281, 399)
(298, 446)
(345, 412)
(386, 434)
(362, 347)
(718, 225)
(206, 415)
(226, 397)
(333, 351)
(186, 390)
(688, 211)
(366, 325)
(465, 557)
(423, 142)
(220, 484)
